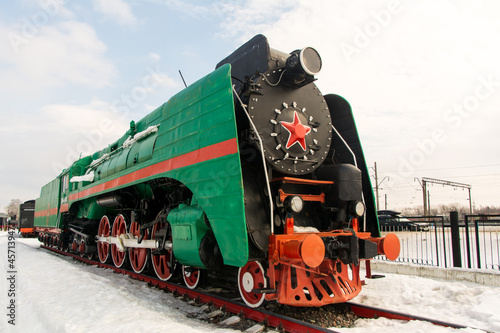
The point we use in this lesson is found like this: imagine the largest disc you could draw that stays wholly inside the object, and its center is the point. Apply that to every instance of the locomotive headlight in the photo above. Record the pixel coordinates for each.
(357, 208)
(294, 204)
(305, 61)
(310, 61)
(301, 66)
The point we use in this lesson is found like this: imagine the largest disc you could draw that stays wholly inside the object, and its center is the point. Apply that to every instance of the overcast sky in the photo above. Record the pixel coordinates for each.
(423, 78)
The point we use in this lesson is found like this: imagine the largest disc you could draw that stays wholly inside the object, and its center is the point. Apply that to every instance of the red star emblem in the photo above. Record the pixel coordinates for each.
(297, 132)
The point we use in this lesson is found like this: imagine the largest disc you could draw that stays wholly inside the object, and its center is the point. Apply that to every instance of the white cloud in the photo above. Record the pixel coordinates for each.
(50, 139)
(74, 117)
(155, 57)
(117, 10)
(64, 53)
(192, 10)
(410, 66)
(79, 129)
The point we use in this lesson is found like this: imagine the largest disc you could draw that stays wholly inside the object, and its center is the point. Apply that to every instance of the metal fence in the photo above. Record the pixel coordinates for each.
(431, 240)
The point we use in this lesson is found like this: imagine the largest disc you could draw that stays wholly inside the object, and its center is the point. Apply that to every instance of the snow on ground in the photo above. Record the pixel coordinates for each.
(463, 303)
(57, 294)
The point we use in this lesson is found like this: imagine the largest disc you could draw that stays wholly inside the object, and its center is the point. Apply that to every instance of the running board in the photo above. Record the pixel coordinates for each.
(129, 240)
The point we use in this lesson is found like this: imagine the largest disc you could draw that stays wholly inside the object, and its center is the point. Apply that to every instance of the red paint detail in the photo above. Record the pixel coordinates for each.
(161, 261)
(388, 245)
(119, 227)
(27, 231)
(64, 208)
(305, 197)
(297, 282)
(41, 213)
(368, 266)
(138, 257)
(355, 224)
(255, 269)
(297, 132)
(292, 180)
(81, 248)
(104, 231)
(47, 212)
(47, 230)
(296, 263)
(191, 279)
(217, 150)
(289, 226)
(312, 250)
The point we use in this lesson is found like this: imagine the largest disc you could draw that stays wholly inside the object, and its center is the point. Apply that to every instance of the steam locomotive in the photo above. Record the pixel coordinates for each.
(249, 175)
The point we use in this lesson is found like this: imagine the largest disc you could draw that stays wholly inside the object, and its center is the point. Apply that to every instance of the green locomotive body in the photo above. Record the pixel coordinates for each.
(194, 142)
(250, 173)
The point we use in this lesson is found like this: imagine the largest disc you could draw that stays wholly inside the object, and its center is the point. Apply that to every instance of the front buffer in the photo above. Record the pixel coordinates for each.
(316, 269)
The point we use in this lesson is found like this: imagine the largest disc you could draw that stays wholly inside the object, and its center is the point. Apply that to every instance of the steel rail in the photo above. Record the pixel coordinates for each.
(371, 312)
(262, 316)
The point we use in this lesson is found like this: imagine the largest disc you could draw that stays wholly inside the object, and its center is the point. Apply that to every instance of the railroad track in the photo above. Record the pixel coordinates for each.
(267, 318)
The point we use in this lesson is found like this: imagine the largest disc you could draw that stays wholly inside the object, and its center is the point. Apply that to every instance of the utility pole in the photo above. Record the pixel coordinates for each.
(447, 183)
(386, 201)
(429, 202)
(470, 202)
(424, 191)
(376, 184)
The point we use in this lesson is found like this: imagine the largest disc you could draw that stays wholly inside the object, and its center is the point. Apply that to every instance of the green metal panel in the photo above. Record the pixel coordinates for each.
(47, 206)
(343, 120)
(90, 209)
(188, 229)
(146, 148)
(141, 151)
(121, 161)
(152, 118)
(199, 116)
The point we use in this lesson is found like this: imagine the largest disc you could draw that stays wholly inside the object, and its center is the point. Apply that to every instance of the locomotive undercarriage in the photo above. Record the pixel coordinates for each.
(301, 269)
(134, 232)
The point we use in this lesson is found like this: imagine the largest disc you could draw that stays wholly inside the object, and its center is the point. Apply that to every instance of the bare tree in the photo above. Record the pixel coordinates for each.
(487, 210)
(13, 208)
(446, 209)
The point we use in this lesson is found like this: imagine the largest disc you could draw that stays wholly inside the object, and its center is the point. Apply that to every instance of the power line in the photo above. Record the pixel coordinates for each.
(464, 167)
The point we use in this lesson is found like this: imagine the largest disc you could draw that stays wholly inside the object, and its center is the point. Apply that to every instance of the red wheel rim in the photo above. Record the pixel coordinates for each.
(161, 262)
(191, 276)
(74, 246)
(81, 248)
(251, 276)
(119, 227)
(103, 248)
(138, 257)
